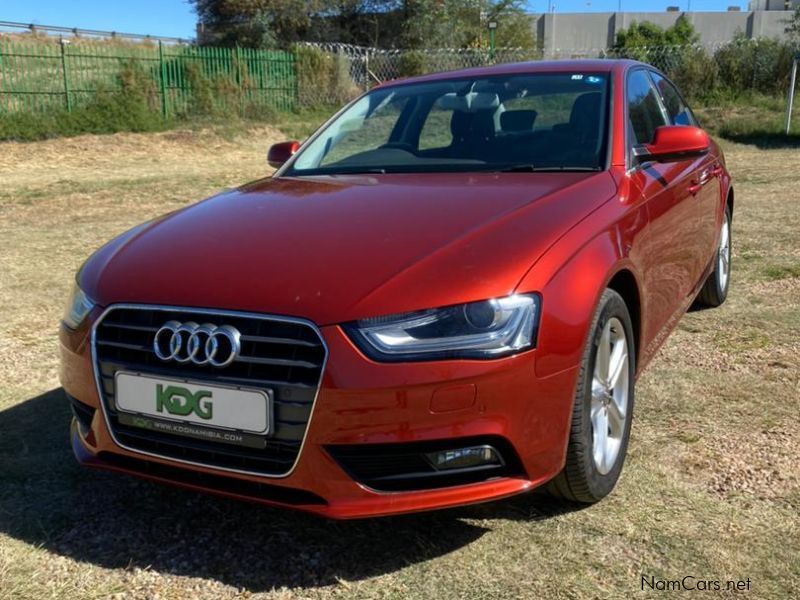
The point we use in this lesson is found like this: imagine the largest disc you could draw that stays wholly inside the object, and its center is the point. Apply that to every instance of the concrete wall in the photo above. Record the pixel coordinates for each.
(772, 4)
(597, 31)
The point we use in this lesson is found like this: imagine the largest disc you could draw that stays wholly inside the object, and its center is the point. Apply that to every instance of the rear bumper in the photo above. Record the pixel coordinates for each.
(362, 402)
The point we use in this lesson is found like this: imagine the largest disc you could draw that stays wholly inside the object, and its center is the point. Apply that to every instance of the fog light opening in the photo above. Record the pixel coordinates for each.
(83, 430)
(465, 458)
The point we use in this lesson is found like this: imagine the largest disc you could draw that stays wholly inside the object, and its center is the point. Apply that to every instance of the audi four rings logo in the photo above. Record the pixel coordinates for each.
(205, 344)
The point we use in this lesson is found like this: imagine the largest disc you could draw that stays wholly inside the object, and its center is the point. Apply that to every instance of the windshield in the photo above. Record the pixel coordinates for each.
(546, 121)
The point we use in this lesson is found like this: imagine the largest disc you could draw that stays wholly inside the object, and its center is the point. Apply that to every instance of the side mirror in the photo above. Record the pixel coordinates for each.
(672, 143)
(279, 153)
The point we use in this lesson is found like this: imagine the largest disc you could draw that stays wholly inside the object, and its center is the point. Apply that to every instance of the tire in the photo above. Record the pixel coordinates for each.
(715, 289)
(589, 475)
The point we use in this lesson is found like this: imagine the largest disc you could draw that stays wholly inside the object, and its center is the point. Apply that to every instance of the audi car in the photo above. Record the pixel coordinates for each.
(444, 296)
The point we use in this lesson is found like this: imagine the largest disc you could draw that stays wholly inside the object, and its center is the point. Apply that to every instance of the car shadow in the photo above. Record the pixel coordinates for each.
(764, 140)
(116, 521)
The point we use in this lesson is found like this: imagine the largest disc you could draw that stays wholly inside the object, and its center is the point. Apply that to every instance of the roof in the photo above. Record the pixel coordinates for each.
(598, 65)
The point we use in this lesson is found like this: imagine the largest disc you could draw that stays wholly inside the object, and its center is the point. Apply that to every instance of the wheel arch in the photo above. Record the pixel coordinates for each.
(577, 285)
(625, 284)
(729, 201)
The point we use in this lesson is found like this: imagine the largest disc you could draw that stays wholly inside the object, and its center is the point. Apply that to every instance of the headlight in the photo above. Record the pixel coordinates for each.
(78, 307)
(486, 329)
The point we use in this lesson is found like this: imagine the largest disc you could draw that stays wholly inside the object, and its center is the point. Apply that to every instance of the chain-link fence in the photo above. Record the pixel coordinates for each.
(142, 85)
(335, 73)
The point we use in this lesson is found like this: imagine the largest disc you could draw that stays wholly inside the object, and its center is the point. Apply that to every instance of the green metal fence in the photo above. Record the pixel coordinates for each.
(176, 80)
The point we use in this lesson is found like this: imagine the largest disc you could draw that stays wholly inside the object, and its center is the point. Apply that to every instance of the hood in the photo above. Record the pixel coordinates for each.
(333, 249)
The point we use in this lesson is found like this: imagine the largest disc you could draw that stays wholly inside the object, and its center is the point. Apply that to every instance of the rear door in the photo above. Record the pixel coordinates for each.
(705, 187)
(670, 246)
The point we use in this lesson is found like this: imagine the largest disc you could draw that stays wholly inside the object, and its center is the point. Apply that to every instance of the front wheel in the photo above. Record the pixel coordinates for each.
(715, 289)
(603, 407)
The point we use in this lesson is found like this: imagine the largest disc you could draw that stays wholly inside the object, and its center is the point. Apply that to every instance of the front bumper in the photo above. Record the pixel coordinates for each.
(363, 402)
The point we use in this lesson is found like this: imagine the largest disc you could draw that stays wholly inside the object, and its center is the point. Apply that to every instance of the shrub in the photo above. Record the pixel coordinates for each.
(773, 63)
(642, 35)
(695, 72)
(761, 65)
(139, 85)
(412, 63)
(743, 65)
(202, 90)
(107, 112)
(130, 105)
(323, 77)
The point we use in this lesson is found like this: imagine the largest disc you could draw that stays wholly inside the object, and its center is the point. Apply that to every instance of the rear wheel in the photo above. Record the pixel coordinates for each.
(715, 289)
(603, 407)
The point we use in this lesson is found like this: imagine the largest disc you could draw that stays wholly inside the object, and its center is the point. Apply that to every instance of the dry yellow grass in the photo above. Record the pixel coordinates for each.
(711, 489)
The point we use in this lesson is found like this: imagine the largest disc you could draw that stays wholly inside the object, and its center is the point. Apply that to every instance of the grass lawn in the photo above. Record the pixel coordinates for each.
(711, 488)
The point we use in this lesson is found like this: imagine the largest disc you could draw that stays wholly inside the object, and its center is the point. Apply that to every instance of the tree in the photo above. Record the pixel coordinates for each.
(280, 23)
(399, 23)
(254, 23)
(674, 50)
(645, 34)
(359, 22)
(463, 23)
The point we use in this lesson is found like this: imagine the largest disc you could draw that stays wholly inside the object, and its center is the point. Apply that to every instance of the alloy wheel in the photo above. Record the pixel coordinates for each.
(724, 257)
(609, 404)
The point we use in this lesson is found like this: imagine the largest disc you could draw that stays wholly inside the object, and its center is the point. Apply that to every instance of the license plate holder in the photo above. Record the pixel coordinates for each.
(195, 408)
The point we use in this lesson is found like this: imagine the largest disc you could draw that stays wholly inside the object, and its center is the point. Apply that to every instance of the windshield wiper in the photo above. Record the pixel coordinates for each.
(529, 168)
(360, 171)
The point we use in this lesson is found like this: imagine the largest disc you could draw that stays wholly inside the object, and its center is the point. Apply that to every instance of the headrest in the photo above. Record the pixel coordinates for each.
(474, 126)
(471, 102)
(585, 108)
(517, 120)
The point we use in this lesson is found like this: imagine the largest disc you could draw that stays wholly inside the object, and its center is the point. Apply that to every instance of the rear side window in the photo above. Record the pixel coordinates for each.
(644, 111)
(677, 111)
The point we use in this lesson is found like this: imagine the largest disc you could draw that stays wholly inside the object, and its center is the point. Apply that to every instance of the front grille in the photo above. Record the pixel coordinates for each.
(403, 466)
(286, 356)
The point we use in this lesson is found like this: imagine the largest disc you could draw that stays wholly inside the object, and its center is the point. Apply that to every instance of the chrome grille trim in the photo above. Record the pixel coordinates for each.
(100, 377)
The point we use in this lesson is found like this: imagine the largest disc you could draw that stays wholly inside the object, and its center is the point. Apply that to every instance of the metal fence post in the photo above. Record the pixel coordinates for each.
(237, 70)
(162, 79)
(366, 70)
(67, 98)
(790, 103)
(492, 27)
(295, 78)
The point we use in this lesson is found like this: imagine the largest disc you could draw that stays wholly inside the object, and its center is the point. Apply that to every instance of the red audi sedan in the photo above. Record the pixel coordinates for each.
(444, 296)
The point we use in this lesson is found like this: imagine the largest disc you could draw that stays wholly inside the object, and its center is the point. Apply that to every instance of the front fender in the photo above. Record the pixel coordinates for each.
(574, 273)
(568, 304)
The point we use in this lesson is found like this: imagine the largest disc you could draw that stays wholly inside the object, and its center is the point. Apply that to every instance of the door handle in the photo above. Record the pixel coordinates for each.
(705, 176)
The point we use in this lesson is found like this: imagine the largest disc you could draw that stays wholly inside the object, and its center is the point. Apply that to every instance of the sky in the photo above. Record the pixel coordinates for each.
(176, 18)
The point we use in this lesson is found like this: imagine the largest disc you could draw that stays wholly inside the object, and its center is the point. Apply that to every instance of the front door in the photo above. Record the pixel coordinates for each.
(705, 184)
(670, 244)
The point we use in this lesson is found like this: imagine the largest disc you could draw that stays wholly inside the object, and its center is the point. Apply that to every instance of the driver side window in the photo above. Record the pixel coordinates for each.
(375, 132)
(678, 112)
(644, 110)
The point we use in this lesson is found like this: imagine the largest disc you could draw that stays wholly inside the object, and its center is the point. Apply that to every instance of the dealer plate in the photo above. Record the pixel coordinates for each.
(194, 404)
